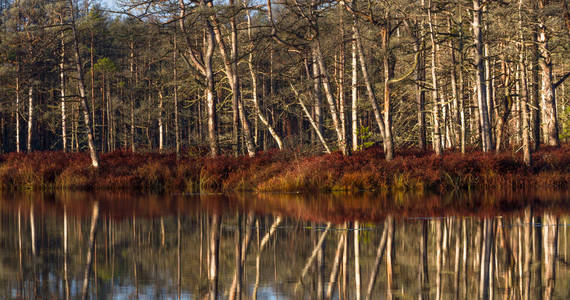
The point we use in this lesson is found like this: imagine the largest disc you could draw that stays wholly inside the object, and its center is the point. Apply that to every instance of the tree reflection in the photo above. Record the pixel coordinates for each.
(160, 256)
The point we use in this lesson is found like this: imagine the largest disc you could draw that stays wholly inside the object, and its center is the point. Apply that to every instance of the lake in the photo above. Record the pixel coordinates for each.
(122, 245)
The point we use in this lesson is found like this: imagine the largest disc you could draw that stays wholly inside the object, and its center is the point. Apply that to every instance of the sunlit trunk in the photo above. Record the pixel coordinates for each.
(524, 95)
(132, 98)
(354, 93)
(17, 109)
(62, 93)
(370, 90)
(312, 121)
(260, 114)
(84, 105)
(454, 120)
(341, 67)
(435, 93)
(420, 91)
(30, 116)
(160, 122)
(231, 70)
(330, 99)
(389, 62)
(486, 138)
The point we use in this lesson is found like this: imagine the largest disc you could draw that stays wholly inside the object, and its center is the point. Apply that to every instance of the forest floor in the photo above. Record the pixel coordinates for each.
(287, 171)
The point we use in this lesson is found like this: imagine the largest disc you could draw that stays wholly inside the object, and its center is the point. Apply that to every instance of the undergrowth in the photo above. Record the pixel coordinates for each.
(411, 170)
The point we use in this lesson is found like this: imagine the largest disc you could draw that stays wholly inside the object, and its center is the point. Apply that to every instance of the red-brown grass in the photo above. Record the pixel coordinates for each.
(411, 170)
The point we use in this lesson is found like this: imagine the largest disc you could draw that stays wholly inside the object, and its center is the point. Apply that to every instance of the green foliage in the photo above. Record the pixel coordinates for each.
(565, 122)
(364, 138)
(105, 65)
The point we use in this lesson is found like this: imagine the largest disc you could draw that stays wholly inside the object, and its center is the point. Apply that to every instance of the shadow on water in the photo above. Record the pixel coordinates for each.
(255, 246)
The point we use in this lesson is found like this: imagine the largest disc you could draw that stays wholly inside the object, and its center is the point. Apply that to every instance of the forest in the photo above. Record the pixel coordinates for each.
(197, 78)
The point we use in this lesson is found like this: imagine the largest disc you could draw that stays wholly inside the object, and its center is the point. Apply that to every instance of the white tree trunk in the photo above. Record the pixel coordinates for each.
(62, 82)
(435, 95)
(354, 88)
(84, 105)
(480, 78)
(30, 116)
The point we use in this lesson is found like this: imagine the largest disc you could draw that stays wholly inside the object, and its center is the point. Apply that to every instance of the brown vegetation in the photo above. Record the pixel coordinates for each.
(367, 170)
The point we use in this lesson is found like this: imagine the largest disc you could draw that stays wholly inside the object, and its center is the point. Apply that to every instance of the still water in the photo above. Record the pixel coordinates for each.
(275, 246)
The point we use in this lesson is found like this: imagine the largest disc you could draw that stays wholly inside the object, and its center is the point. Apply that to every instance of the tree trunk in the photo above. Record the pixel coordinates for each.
(536, 110)
(354, 90)
(524, 95)
(210, 98)
(30, 116)
(62, 93)
(318, 117)
(160, 122)
(231, 70)
(548, 100)
(260, 114)
(486, 139)
(341, 67)
(436, 129)
(17, 113)
(133, 83)
(84, 105)
(313, 122)
(176, 120)
(389, 63)
(330, 99)
(455, 119)
(369, 88)
(420, 92)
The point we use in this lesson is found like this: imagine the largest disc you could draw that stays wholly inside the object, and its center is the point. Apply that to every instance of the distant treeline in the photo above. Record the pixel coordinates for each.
(237, 77)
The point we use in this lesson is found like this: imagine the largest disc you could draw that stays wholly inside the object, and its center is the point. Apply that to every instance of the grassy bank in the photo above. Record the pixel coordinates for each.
(411, 170)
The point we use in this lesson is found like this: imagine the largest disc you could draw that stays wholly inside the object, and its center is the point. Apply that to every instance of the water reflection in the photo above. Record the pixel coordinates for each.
(256, 247)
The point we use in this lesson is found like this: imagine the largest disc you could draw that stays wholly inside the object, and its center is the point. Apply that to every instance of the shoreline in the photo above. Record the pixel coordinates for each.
(287, 171)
